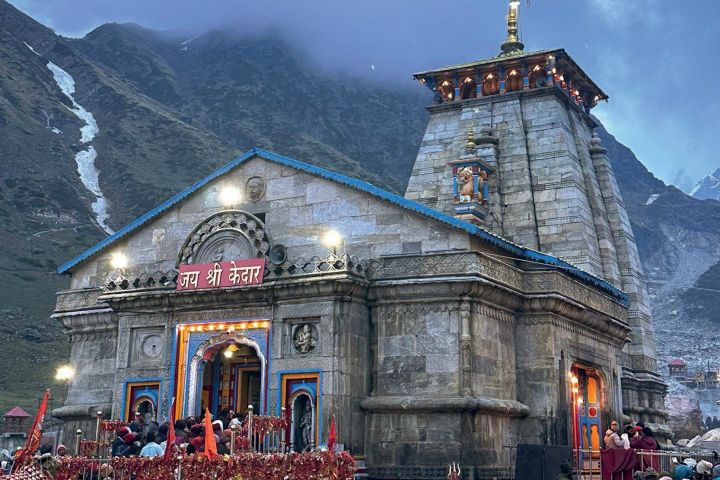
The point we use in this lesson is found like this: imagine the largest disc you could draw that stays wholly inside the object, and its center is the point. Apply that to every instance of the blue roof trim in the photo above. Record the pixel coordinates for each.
(491, 238)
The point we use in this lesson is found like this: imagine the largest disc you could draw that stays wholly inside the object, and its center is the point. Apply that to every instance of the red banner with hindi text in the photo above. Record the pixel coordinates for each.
(236, 273)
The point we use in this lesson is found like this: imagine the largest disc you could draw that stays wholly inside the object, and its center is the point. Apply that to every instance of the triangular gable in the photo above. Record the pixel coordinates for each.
(517, 250)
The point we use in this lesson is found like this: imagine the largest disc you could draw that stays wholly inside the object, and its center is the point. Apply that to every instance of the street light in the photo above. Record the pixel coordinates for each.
(332, 239)
(64, 373)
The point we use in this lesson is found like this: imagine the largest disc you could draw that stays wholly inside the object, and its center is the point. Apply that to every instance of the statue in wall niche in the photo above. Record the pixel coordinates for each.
(306, 427)
(304, 340)
(255, 188)
(466, 186)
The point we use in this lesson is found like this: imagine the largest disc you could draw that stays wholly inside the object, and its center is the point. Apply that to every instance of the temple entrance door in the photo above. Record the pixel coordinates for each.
(587, 423)
(230, 378)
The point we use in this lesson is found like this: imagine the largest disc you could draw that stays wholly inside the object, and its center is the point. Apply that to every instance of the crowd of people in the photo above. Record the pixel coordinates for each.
(640, 437)
(150, 440)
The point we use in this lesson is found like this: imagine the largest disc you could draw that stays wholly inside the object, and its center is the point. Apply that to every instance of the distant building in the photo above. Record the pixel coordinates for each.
(678, 368)
(15, 427)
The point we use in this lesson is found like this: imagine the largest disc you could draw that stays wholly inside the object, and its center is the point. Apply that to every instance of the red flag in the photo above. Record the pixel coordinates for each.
(170, 443)
(210, 445)
(35, 436)
(332, 438)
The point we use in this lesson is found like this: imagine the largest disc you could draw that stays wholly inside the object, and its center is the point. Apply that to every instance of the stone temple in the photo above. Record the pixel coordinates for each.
(500, 301)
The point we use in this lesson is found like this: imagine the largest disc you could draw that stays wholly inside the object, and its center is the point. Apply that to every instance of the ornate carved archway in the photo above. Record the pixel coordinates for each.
(233, 234)
(194, 378)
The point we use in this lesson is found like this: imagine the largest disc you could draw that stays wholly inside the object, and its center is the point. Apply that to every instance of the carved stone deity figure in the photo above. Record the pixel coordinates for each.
(466, 186)
(255, 188)
(304, 340)
(306, 427)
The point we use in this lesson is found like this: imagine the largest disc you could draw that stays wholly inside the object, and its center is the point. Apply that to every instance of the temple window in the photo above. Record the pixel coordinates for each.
(447, 90)
(491, 85)
(537, 77)
(468, 89)
(513, 81)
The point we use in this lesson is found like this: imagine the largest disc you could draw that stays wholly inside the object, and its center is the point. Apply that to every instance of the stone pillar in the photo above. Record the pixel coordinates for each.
(92, 329)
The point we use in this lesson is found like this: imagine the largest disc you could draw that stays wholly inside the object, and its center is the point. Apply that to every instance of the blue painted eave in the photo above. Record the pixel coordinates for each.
(521, 252)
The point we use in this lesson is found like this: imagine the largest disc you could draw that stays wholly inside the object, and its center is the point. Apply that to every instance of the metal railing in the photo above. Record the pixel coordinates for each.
(587, 464)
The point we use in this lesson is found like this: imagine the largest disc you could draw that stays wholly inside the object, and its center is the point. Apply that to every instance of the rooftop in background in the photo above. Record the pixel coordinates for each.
(16, 412)
(677, 362)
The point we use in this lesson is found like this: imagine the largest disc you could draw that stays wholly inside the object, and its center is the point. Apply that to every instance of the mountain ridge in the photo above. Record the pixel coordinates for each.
(170, 111)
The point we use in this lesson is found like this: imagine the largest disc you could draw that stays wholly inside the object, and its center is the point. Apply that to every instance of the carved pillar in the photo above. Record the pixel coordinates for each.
(465, 352)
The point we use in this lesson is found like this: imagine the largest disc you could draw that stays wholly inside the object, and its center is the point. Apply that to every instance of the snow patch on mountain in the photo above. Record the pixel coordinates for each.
(85, 159)
(31, 49)
(652, 198)
(708, 188)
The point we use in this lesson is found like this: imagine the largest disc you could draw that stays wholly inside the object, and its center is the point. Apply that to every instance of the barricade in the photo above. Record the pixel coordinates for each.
(588, 464)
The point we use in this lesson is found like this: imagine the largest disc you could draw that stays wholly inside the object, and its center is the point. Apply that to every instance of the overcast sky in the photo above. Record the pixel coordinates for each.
(657, 59)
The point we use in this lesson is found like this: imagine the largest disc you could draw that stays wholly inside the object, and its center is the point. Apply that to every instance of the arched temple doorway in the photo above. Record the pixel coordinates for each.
(227, 371)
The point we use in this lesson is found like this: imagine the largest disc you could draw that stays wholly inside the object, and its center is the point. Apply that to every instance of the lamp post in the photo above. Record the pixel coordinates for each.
(64, 373)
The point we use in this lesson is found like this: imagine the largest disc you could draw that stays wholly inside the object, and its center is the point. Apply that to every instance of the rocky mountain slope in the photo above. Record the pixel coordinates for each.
(708, 188)
(168, 110)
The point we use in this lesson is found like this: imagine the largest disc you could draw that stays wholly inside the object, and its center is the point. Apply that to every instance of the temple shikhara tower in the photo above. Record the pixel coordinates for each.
(499, 302)
(515, 132)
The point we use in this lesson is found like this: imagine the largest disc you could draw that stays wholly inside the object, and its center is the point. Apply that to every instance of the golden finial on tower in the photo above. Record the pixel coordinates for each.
(512, 44)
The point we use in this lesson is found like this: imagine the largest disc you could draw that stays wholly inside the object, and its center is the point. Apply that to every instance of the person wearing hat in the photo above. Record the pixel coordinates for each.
(704, 468)
(684, 470)
(716, 472)
(612, 439)
(118, 441)
(60, 451)
(651, 474)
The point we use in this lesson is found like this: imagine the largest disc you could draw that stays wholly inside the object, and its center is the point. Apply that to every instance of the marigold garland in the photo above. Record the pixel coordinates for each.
(246, 466)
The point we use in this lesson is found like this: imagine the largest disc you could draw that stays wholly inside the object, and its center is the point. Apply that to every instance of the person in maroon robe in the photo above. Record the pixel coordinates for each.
(647, 443)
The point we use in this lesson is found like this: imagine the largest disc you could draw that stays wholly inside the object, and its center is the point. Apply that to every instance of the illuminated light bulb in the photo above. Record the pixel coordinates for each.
(445, 83)
(515, 3)
(201, 328)
(231, 328)
(513, 73)
(64, 373)
(221, 326)
(575, 390)
(580, 401)
(332, 238)
(537, 67)
(490, 77)
(574, 379)
(119, 260)
(193, 328)
(562, 78)
(596, 98)
(468, 80)
(577, 93)
(230, 195)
